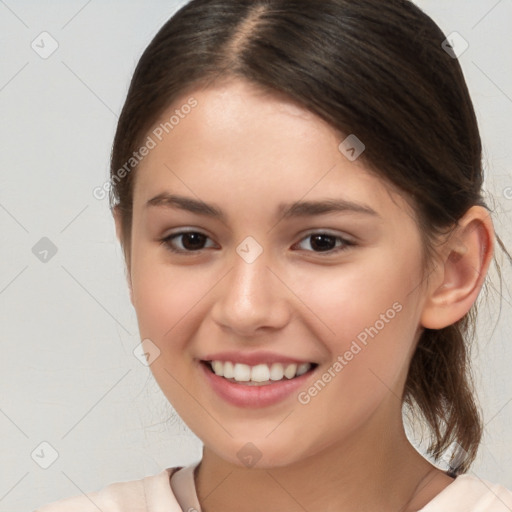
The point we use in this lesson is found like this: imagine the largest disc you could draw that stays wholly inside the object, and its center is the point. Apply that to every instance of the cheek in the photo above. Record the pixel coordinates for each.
(163, 296)
(167, 302)
(367, 316)
(370, 347)
(350, 299)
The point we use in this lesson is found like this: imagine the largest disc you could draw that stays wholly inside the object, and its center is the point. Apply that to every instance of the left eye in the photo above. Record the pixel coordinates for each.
(326, 242)
(193, 241)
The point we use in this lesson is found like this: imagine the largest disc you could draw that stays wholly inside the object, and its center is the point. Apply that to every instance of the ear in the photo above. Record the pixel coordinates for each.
(116, 212)
(462, 270)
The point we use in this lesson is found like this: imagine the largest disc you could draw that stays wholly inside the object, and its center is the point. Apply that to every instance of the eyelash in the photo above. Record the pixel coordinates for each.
(346, 244)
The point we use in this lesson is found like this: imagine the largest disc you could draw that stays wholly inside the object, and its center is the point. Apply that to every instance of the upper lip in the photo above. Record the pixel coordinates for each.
(254, 358)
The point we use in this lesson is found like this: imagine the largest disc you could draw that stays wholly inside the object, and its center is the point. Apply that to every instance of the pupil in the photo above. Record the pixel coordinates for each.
(199, 239)
(323, 246)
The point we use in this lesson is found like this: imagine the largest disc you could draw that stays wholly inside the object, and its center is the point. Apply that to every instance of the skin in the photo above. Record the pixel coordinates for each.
(246, 152)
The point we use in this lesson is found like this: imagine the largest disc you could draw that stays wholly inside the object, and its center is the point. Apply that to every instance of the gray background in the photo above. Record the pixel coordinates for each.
(68, 375)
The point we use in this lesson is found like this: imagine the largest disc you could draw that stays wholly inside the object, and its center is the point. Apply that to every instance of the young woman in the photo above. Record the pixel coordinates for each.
(297, 188)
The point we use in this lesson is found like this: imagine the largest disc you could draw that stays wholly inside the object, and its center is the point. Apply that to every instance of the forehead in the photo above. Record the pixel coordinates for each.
(239, 142)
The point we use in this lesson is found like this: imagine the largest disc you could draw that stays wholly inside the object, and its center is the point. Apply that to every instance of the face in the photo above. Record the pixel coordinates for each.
(334, 287)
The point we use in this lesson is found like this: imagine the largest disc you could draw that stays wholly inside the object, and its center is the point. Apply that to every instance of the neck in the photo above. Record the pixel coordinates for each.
(349, 476)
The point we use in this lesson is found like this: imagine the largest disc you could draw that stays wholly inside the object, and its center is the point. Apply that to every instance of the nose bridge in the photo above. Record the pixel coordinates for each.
(250, 297)
(250, 284)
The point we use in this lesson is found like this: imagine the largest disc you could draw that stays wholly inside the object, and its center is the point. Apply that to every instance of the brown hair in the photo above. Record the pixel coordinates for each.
(371, 68)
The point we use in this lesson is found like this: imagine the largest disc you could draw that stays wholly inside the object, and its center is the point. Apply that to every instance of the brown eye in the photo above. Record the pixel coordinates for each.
(327, 243)
(191, 241)
(323, 242)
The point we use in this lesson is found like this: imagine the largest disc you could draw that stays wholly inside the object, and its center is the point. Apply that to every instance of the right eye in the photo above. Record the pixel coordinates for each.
(192, 242)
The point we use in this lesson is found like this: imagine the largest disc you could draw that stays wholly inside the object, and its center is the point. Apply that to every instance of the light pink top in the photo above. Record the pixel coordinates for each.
(173, 490)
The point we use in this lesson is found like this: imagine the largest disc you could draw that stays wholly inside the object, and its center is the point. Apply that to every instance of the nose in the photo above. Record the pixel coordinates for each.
(251, 299)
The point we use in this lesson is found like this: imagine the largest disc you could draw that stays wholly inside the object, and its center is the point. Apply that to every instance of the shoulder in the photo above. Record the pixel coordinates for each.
(127, 496)
(469, 493)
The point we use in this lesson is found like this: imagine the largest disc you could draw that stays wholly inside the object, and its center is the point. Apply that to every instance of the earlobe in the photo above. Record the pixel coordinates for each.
(463, 268)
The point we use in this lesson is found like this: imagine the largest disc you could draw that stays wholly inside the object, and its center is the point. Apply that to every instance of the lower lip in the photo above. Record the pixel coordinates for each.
(254, 396)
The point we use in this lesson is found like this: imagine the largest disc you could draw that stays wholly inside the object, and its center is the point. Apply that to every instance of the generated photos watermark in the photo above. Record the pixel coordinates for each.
(356, 347)
(151, 142)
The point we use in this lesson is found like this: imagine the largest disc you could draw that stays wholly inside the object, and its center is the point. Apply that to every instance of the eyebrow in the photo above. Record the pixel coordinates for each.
(285, 210)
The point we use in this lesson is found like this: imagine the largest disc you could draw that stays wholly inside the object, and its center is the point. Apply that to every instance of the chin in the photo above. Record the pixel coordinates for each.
(260, 454)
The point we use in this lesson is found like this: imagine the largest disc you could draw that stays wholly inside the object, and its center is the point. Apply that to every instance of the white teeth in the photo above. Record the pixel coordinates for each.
(229, 369)
(276, 371)
(218, 368)
(259, 373)
(242, 373)
(290, 371)
(302, 369)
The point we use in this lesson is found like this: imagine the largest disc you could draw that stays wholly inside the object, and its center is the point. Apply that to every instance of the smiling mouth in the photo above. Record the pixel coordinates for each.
(258, 375)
